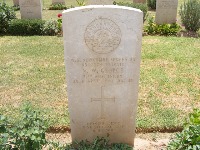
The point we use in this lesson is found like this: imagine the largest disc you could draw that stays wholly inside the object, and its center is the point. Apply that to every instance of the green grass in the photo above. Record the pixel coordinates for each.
(32, 69)
(169, 80)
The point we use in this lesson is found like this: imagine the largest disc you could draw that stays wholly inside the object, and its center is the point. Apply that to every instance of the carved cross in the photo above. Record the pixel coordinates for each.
(103, 99)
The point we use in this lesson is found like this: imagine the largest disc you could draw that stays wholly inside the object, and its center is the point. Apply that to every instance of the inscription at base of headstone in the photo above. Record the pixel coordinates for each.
(100, 2)
(139, 1)
(102, 58)
(166, 11)
(58, 2)
(30, 9)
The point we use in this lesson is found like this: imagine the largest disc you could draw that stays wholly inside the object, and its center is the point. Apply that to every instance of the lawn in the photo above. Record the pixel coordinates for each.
(32, 69)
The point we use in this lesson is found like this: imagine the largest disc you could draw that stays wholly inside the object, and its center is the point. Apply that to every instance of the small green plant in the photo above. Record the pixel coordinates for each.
(164, 29)
(57, 146)
(190, 15)
(58, 6)
(4, 136)
(6, 15)
(189, 138)
(98, 144)
(194, 118)
(151, 27)
(80, 2)
(16, 7)
(141, 6)
(51, 28)
(27, 133)
(151, 4)
(26, 27)
(59, 22)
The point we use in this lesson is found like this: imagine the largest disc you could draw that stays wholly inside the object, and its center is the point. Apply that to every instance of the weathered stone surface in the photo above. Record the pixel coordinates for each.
(166, 11)
(102, 58)
(30, 9)
(58, 2)
(100, 2)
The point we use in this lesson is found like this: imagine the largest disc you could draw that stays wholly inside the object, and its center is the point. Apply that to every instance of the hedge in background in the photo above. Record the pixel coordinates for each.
(57, 7)
(190, 15)
(6, 15)
(51, 28)
(163, 29)
(26, 27)
(151, 4)
(142, 7)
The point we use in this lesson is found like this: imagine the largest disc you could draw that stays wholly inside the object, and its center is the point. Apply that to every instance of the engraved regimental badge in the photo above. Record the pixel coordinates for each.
(102, 36)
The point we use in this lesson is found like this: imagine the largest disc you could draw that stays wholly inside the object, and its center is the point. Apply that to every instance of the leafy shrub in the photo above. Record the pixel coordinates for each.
(6, 15)
(26, 27)
(151, 4)
(164, 29)
(51, 28)
(141, 6)
(189, 138)
(58, 6)
(28, 133)
(190, 15)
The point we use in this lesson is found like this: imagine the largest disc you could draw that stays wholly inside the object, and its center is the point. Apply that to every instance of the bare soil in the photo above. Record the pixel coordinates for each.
(188, 34)
(146, 141)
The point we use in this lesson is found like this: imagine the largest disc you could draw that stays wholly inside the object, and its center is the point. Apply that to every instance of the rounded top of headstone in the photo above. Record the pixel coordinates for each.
(102, 6)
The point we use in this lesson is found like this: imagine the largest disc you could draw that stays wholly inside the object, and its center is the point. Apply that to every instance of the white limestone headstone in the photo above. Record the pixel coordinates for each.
(58, 2)
(102, 58)
(30, 9)
(166, 11)
(100, 2)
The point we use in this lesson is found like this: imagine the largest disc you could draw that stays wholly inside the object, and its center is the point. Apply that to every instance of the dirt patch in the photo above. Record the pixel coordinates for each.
(147, 141)
(188, 34)
(11, 96)
(152, 41)
(141, 144)
(143, 141)
(66, 129)
(59, 137)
